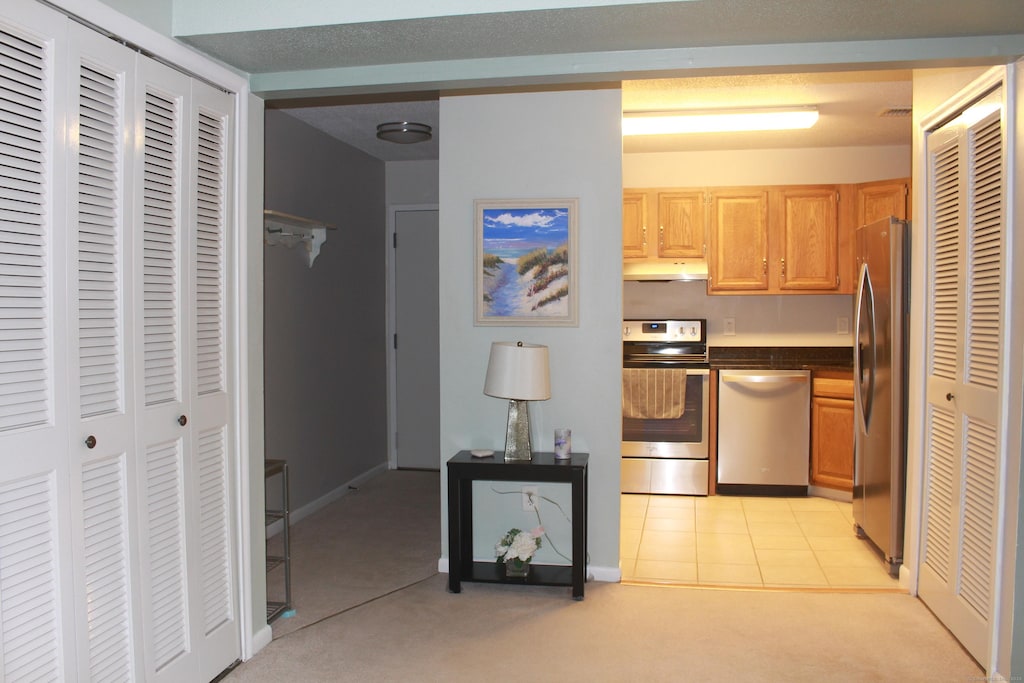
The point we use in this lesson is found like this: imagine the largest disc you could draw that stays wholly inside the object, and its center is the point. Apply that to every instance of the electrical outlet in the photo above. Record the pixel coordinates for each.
(842, 325)
(730, 327)
(531, 497)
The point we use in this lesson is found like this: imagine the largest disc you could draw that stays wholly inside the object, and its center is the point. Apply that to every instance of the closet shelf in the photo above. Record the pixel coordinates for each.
(284, 229)
(279, 221)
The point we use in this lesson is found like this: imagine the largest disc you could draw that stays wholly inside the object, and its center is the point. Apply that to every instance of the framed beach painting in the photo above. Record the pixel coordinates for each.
(526, 262)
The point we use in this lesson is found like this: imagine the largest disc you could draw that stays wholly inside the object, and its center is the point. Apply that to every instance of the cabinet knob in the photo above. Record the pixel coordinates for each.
(90, 441)
(182, 420)
(950, 397)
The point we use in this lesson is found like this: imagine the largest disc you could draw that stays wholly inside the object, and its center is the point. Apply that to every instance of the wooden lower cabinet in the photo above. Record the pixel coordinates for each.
(832, 433)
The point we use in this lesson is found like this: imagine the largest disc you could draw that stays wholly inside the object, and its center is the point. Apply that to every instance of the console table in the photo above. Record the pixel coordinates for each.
(464, 469)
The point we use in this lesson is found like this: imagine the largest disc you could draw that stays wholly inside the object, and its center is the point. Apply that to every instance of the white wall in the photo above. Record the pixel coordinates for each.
(537, 145)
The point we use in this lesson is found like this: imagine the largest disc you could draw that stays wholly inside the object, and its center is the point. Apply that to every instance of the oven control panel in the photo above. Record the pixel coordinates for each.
(689, 331)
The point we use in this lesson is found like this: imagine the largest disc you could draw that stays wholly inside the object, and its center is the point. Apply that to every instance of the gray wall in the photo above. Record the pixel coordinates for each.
(324, 360)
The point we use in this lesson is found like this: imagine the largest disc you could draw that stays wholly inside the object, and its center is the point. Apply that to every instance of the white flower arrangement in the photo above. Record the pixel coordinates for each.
(518, 545)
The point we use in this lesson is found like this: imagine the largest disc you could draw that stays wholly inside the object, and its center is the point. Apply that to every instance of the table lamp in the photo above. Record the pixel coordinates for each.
(518, 372)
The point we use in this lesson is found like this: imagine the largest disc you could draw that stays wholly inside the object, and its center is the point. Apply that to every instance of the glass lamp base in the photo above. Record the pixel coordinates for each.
(517, 436)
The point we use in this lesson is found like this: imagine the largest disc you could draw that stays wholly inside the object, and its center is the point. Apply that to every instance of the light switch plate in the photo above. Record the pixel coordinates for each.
(842, 325)
(730, 327)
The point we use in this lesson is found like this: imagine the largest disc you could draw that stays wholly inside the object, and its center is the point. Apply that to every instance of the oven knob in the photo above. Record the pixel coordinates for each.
(625, 331)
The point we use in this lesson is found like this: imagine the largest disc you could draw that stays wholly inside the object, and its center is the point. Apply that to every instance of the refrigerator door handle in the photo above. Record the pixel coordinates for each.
(864, 322)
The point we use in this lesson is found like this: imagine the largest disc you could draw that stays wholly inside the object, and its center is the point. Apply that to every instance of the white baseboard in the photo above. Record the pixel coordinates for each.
(261, 639)
(607, 574)
(326, 499)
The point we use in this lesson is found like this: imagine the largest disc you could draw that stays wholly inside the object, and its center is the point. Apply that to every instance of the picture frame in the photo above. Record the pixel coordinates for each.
(526, 262)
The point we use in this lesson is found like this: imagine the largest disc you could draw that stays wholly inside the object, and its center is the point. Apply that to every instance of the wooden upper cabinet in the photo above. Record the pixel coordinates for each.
(738, 253)
(634, 224)
(681, 224)
(806, 235)
(882, 199)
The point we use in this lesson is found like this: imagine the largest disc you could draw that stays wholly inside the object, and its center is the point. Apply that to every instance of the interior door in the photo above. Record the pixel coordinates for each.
(213, 562)
(102, 451)
(34, 543)
(965, 363)
(160, 337)
(417, 348)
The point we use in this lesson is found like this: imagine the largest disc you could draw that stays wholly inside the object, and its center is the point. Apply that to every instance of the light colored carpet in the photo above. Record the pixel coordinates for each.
(618, 633)
(384, 535)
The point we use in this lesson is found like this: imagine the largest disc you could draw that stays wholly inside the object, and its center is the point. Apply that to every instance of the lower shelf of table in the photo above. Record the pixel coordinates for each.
(540, 574)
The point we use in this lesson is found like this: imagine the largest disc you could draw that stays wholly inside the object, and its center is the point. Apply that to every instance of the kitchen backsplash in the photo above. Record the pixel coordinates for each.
(790, 320)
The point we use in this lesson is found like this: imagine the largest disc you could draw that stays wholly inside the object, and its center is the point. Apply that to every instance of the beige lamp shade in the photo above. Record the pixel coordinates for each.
(518, 371)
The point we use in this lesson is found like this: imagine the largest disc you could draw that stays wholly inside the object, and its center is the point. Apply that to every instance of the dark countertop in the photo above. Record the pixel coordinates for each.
(814, 358)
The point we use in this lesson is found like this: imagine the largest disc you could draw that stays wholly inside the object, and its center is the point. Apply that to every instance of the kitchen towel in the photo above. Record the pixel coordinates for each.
(653, 393)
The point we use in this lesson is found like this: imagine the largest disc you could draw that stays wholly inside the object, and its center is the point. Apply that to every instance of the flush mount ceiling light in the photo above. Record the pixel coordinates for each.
(404, 132)
(721, 121)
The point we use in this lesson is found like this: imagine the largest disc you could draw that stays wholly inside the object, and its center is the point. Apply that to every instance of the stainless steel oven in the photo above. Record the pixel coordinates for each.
(665, 381)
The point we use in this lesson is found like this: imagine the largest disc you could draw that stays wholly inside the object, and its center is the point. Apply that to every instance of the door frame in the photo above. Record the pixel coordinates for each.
(391, 324)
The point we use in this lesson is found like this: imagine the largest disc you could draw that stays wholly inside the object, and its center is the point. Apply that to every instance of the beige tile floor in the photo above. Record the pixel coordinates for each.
(747, 541)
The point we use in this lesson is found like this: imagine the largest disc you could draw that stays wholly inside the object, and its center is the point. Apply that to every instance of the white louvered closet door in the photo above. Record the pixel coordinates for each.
(34, 543)
(213, 562)
(102, 455)
(965, 361)
(161, 368)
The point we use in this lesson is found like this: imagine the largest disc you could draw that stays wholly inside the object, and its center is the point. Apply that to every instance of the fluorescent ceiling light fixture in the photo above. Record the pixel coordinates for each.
(722, 121)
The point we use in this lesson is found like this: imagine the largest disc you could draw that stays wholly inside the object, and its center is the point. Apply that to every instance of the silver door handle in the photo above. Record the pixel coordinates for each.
(765, 379)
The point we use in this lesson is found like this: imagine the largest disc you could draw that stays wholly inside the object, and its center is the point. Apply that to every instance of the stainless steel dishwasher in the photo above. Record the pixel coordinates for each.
(764, 431)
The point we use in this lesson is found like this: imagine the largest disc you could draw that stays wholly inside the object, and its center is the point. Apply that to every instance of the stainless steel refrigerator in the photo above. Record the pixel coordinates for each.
(879, 387)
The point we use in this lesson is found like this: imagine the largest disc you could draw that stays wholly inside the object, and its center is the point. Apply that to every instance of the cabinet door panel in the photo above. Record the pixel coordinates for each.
(832, 443)
(738, 258)
(681, 224)
(809, 239)
(634, 225)
(881, 200)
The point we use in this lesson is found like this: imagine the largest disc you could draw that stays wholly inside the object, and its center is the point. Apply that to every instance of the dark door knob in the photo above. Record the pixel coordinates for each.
(90, 442)
(182, 420)
(949, 397)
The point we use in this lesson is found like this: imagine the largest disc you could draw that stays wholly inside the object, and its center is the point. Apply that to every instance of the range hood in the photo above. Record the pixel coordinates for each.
(665, 270)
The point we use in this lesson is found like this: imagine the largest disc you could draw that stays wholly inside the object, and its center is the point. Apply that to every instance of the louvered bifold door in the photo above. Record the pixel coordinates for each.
(212, 548)
(36, 637)
(102, 452)
(161, 366)
(965, 295)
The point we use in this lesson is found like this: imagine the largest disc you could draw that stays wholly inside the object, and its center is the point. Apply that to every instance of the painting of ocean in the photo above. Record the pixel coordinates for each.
(525, 261)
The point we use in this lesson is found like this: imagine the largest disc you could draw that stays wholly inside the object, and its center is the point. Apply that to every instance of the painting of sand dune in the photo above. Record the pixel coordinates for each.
(526, 265)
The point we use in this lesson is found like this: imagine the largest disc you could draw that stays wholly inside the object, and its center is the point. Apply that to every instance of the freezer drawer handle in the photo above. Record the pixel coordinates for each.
(765, 379)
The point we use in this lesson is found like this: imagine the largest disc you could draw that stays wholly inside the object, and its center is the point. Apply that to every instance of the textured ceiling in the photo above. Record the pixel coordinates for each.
(610, 28)
(849, 104)
(394, 70)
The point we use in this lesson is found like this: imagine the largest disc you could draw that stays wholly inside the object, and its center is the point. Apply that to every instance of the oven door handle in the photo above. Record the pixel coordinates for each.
(667, 366)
